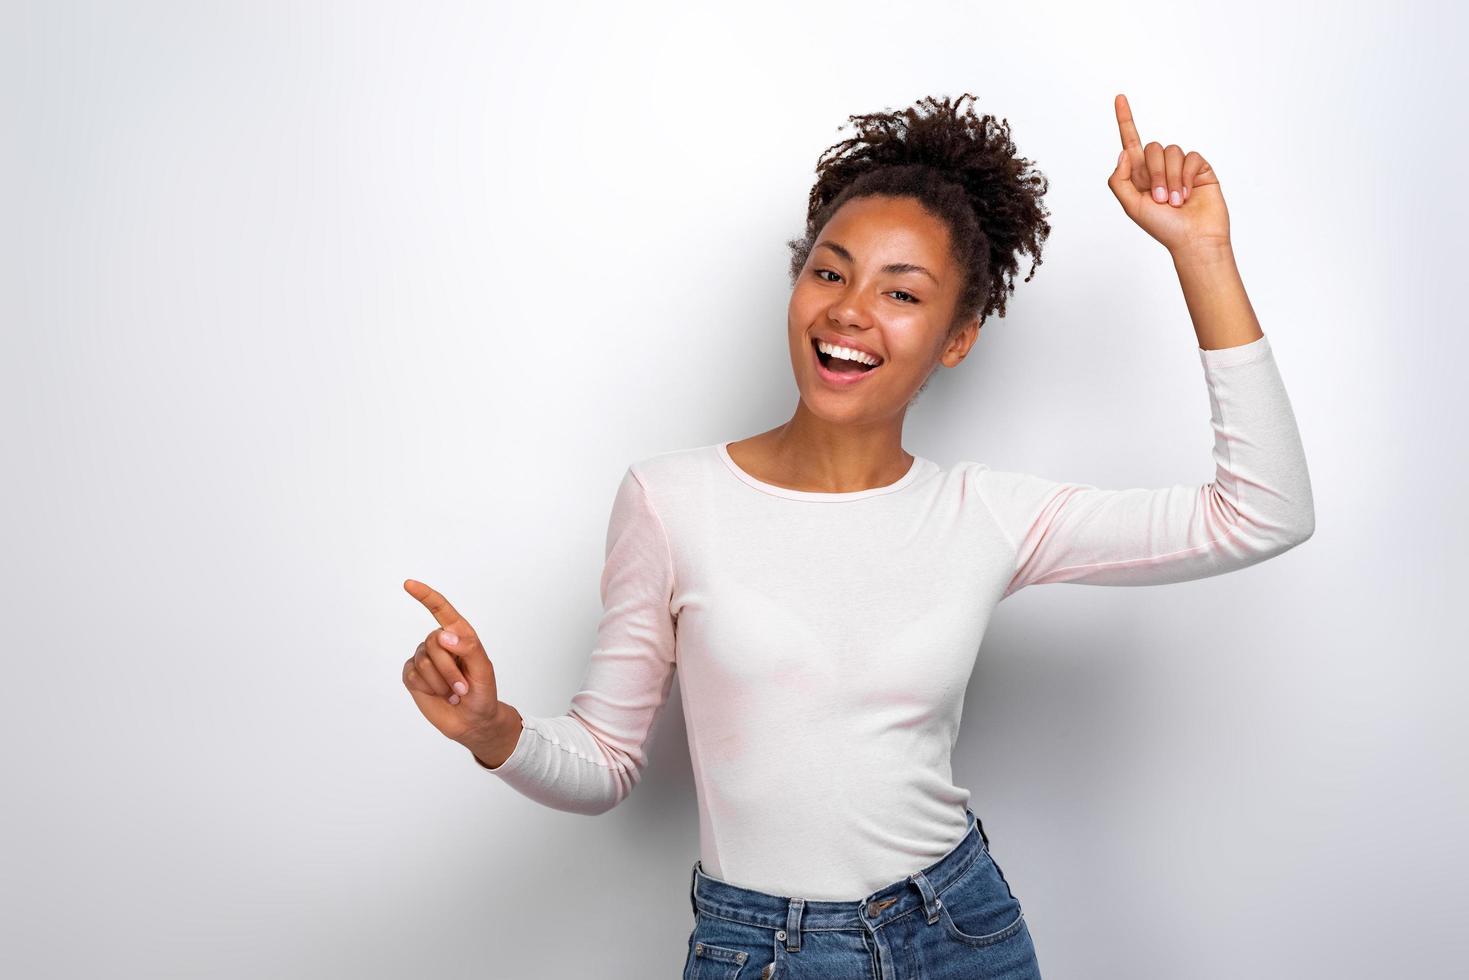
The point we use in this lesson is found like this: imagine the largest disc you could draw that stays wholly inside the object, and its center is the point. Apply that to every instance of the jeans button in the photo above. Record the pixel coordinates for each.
(781, 934)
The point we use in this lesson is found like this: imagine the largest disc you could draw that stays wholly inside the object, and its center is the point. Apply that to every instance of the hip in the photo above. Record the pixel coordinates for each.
(957, 917)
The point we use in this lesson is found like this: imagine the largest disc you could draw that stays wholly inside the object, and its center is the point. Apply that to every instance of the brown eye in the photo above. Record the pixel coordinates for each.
(911, 298)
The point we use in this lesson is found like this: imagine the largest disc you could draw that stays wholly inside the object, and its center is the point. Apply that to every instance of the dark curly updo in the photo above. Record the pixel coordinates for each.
(959, 166)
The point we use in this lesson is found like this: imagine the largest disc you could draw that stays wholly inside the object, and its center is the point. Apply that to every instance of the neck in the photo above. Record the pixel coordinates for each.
(835, 457)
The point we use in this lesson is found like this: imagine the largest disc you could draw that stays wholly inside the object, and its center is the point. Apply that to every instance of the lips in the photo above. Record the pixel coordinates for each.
(838, 340)
(842, 380)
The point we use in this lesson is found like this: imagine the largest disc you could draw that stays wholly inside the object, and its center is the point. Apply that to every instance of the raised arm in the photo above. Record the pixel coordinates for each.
(589, 759)
(1257, 506)
(1259, 502)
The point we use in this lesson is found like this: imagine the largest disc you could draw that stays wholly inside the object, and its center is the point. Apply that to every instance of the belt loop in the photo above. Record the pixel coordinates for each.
(930, 897)
(793, 925)
(974, 819)
(693, 882)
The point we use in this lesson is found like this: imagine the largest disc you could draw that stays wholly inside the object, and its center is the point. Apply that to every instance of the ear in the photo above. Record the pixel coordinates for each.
(957, 347)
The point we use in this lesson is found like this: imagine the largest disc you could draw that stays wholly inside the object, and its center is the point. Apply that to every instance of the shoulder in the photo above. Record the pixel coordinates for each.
(1010, 496)
(672, 466)
(990, 482)
(675, 475)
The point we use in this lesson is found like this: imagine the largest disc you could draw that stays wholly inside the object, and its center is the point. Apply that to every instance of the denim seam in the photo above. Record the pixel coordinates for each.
(959, 875)
(989, 939)
(772, 929)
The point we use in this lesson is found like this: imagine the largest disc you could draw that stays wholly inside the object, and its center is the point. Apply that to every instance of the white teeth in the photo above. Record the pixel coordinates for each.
(846, 353)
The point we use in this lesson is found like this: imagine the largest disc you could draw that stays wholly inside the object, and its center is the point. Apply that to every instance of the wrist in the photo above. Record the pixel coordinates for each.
(1204, 255)
(494, 743)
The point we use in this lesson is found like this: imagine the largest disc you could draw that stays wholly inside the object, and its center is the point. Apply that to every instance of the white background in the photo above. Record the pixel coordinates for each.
(300, 300)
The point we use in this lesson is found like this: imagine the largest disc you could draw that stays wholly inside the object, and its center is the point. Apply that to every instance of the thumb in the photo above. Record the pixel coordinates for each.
(469, 652)
(1120, 181)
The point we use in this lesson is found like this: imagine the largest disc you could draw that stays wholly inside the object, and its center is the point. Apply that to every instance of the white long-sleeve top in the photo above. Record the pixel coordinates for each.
(823, 641)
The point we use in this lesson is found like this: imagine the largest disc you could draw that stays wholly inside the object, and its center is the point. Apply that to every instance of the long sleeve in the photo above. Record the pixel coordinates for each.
(1257, 506)
(589, 759)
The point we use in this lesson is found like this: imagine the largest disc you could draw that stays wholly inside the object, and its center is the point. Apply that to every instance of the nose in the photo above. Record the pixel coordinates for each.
(850, 310)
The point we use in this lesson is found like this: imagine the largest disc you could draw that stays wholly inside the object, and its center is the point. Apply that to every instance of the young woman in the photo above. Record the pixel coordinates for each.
(824, 593)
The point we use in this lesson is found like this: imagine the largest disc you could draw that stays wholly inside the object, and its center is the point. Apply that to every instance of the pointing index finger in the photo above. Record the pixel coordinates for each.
(445, 613)
(1130, 139)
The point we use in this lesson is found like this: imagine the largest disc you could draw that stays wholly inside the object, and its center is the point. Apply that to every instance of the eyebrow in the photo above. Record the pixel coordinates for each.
(896, 267)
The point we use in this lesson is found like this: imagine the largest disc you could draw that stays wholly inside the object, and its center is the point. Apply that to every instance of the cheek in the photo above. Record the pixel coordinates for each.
(911, 342)
(804, 306)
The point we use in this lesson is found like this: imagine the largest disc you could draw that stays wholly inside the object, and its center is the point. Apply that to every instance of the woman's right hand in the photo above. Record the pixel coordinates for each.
(453, 683)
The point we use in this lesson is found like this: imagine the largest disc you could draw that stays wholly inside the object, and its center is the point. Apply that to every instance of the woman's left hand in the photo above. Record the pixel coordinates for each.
(1191, 217)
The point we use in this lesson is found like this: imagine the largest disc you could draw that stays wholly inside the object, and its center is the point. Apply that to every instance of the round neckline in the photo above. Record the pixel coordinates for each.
(816, 495)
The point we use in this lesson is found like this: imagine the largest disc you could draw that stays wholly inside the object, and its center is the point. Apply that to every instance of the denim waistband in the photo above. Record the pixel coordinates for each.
(716, 896)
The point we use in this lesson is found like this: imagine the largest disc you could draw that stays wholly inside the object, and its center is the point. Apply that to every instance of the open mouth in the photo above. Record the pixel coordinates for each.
(839, 369)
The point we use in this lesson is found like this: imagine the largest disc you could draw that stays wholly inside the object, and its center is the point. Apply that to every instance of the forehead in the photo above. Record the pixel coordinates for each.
(873, 227)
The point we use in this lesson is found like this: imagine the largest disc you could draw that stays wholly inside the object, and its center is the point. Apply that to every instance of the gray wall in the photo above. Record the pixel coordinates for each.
(301, 300)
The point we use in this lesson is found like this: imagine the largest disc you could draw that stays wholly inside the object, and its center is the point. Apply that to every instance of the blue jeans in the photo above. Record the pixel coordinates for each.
(955, 918)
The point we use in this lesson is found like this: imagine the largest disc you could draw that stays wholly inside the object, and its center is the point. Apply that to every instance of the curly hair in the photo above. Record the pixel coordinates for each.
(959, 166)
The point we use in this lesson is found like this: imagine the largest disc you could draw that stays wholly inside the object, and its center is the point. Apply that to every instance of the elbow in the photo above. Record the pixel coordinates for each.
(613, 794)
(1307, 529)
(1297, 532)
(596, 809)
(1291, 522)
(1304, 523)
(582, 801)
(1305, 526)
(609, 802)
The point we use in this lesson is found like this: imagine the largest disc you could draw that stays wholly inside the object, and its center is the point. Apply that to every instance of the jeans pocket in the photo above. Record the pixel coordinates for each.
(721, 949)
(710, 962)
(978, 907)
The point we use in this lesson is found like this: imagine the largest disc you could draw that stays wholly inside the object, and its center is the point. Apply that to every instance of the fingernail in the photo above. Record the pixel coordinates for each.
(448, 639)
(1176, 198)
(461, 687)
(453, 699)
(1159, 194)
(1185, 192)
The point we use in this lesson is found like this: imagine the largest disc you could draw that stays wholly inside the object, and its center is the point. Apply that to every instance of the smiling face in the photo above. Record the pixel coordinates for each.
(880, 280)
